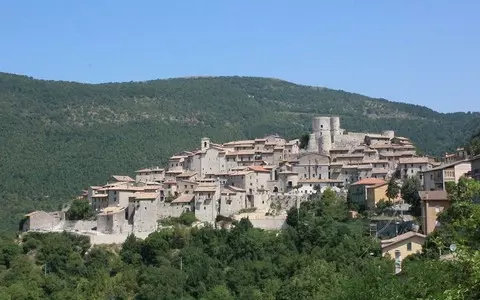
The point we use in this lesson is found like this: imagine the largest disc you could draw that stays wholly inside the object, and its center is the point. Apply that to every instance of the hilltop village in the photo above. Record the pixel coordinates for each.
(261, 179)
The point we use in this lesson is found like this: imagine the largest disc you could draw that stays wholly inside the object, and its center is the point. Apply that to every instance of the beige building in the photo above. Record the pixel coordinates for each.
(40, 220)
(112, 220)
(120, 178)
(358, 190)
(403, 245)
(433, 203)
(150, 175)
(207, 195)
(413, 166)
(375, 194)
(435, 178)
(232, 200)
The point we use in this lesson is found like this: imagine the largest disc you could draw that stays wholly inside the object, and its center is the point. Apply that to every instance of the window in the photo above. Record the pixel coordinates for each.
(409, 246)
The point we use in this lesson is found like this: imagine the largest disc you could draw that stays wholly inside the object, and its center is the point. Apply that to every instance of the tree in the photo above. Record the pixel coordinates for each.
(410, 195)
(79, 210)
(393, 189)
(304, 139)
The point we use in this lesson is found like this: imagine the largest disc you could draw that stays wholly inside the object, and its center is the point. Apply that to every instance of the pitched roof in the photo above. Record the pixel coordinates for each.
(414, 160)
(258, 169)
(145, 196)
(401, 237)
(184, 198)
(433, 195)
(441, 167)
(187, 174)
(369, 181)
(316, 180)
(99, 195)
(142, 170)
(122, 178)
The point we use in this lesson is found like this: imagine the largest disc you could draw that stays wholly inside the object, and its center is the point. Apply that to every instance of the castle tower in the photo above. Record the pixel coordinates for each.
(334, 127)
(325, 143)
(389, 133)
(205, 143)
(312, 144)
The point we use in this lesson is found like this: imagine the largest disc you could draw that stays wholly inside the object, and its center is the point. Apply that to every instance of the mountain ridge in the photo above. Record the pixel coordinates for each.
(57, 137)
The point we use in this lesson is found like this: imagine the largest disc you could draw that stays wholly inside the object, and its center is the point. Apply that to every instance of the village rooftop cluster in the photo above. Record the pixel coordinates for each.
(265, 177)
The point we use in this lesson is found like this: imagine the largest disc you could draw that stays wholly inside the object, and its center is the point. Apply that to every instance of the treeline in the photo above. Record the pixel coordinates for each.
(323, 255)
(57, 138)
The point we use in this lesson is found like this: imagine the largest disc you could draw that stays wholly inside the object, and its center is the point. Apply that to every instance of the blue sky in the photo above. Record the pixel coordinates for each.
(424, 52)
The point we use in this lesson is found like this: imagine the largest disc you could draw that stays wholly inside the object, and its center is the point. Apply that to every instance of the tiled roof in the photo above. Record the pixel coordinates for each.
(187, 174)
(441, 167)
(142, 171)
(401, 237)
(145, 196)
(258, 169)
(369, 181)
(123, 178)
(99, 195)
(414, 160)
(184, 198)
(315, 180)
(433, 195)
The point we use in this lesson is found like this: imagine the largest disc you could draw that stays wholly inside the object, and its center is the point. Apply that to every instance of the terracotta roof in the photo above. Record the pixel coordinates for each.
(32, 213)
(377, 185)
(100, 196)
(369, 181)
(205, 188)
(433, 195)
(145, 196)
(401, 237)
(315, 180)
(241, 152)
(111, 210)
(414, 160)
(178, 157)
(258, 169)
(174, 172)
(142, 170)
(187, 174)
(170, 182)
(184, 198)
(122, 178)
(239, 173)
(441, 167)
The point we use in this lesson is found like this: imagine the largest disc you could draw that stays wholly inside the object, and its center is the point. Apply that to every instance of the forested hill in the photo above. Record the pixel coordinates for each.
(58, 137)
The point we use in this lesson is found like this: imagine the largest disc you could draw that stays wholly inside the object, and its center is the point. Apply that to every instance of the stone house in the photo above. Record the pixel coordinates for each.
(376, 193)
(403, 245)
(142, 211)
(120, 178)
(311, 165)
(358, 190)
(113, 220)
(432, 203)
(207, 195)
(150, 175)
(436, 178)
(413, 166)
(232, 200)
(41, 220)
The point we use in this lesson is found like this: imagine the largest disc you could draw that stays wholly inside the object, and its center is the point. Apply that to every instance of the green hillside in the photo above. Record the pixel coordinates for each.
(58, 137)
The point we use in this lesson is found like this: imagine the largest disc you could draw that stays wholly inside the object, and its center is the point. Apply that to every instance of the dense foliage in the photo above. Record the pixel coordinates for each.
(324, 255)
(58, 137)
